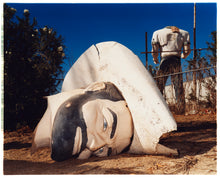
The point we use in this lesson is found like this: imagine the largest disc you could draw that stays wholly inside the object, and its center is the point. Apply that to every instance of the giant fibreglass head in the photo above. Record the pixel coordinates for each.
(142, 102)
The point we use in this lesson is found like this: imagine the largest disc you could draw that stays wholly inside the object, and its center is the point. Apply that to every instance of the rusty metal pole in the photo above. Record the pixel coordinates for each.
(194, 61)
(146, 54)
(194, 33)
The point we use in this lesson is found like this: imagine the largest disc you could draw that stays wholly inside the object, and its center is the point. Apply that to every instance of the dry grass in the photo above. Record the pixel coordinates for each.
(195, 139)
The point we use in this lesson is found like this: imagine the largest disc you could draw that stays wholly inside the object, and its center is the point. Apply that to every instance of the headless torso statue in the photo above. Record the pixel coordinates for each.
(169, 41)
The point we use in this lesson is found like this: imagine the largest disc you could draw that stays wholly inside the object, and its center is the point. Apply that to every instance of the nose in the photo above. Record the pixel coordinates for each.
(96, 141)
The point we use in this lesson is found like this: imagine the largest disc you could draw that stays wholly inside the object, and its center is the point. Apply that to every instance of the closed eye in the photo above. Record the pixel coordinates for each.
(105, 124)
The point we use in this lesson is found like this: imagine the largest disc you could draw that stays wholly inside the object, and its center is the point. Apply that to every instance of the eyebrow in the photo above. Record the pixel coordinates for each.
(114, 125)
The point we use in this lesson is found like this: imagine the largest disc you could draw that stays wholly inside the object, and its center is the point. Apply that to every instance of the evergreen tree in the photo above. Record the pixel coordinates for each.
(211, 83)
(32, 67)
(212, 46)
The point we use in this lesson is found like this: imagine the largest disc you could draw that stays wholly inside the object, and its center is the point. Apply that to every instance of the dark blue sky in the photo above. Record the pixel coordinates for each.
(82, 25)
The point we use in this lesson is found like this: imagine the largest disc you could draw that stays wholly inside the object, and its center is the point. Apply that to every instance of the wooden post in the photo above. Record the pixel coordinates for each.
(146, 54)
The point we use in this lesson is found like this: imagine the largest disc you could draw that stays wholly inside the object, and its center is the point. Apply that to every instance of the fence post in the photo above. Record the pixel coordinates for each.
(194, 87)
(146, 54)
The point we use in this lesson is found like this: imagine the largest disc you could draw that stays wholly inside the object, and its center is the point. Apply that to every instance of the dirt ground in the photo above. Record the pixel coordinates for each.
(195, 139)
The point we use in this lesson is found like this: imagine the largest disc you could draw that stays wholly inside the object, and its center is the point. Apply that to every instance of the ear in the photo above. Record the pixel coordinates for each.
(96, 86)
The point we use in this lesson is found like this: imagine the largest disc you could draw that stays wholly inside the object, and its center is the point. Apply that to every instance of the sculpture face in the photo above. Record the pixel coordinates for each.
(91, 123)
(109, 126)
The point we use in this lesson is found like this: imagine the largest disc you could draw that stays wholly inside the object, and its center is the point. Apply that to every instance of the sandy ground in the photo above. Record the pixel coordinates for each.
(195, 139)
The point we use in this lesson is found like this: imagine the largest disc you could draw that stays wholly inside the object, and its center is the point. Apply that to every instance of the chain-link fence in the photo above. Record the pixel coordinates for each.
(203, 97)
(199, 83)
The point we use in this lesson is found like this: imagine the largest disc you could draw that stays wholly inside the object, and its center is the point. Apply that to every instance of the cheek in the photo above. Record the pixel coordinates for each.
(89, 112)
(124, 130)
(93, 117)
(125, 124)
(120, 145)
